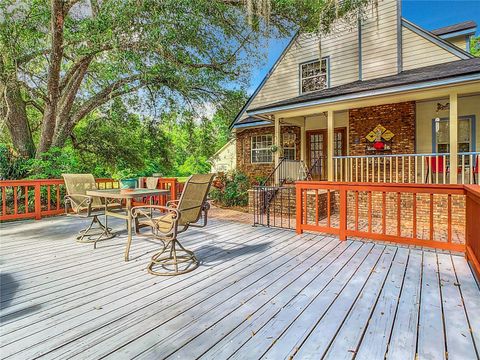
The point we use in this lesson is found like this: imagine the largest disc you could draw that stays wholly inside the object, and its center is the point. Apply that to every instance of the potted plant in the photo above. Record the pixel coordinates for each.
(126, 178)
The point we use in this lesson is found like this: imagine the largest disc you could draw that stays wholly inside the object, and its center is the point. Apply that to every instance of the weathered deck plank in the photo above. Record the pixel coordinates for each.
(259, 292)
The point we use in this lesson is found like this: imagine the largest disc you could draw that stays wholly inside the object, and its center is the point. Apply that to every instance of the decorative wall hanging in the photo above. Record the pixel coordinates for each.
(380, 139)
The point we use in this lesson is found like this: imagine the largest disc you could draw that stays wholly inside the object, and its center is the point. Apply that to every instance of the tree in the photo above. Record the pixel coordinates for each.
(475, 46)
(62, 59)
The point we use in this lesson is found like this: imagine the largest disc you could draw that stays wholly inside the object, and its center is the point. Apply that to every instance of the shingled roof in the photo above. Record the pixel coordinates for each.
(428, 73)
(455, 27)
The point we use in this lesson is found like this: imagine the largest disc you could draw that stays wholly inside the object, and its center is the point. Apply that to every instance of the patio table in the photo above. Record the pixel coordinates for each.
(128, 195)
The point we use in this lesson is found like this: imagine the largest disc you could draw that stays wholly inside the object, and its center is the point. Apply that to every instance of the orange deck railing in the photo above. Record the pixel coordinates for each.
(23, 199)
(473, 227)
(438, 216)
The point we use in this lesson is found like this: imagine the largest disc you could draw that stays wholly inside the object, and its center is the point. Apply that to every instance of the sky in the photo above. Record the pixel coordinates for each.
(429, 14)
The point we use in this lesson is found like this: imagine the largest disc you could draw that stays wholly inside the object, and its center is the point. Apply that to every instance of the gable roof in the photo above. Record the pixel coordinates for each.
(410, 77)
(465, 25)
(462, 54)
(267, 76)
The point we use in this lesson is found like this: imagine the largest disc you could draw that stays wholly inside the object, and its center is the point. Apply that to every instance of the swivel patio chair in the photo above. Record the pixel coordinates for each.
(78, 203)
(166, 222)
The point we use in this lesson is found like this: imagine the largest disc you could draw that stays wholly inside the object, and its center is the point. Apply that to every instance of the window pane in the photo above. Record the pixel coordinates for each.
(464, 130)
(442, 132)
(313, 76)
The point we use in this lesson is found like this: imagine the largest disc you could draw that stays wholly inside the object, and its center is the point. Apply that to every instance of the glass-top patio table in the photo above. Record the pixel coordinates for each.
(128, 195)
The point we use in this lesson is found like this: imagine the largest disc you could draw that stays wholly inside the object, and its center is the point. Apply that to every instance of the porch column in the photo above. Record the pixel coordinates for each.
(277, 144)
(303, 143)
(453, 128)
(330, 133)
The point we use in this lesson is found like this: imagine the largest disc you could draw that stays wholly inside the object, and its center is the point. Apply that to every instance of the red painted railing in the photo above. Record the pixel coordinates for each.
(473, 227)
(421, 215)
(23, 199)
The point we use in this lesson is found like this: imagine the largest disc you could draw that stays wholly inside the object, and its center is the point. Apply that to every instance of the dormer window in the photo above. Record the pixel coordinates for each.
(314, 75)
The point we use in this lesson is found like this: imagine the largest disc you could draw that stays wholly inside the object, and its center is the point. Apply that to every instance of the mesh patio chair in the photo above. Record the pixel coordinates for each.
(79, 204)
(166, 222)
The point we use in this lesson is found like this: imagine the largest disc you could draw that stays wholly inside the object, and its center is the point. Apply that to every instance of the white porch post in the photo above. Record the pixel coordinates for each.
(330, 132)
(453, 128)
(303, 142)
(277, 144)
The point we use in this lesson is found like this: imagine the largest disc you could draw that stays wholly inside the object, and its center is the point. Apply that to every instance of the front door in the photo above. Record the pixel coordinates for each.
(317, 150)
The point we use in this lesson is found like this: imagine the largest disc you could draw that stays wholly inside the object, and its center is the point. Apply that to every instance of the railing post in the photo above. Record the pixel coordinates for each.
(343, 214)
(299, 207)
(38, 202)
(173, 189)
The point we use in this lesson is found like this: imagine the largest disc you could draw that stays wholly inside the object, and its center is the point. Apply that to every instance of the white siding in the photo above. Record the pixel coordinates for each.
(420, 52)
(340, 47)
(459, 41)
(379, 41)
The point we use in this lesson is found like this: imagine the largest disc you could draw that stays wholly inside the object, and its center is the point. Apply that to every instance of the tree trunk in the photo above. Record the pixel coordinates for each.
(53, 82)
(13, 111)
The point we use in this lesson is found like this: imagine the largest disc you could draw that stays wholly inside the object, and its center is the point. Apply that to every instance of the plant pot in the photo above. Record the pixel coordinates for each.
(128, 183)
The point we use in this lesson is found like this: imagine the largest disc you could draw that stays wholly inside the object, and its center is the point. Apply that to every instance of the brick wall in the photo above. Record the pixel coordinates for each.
(398, 118)
(244, 145)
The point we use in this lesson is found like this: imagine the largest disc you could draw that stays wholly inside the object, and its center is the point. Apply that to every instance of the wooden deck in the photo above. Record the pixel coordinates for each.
(258, 293)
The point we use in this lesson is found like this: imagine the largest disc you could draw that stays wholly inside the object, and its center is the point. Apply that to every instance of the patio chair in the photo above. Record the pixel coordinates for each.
(166, 222)
(79, 204)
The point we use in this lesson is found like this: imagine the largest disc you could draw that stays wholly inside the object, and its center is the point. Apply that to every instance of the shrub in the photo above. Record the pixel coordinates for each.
(231, 189)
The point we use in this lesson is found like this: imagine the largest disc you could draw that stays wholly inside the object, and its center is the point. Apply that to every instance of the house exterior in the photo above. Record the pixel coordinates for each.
(388, 101)
(225, 159)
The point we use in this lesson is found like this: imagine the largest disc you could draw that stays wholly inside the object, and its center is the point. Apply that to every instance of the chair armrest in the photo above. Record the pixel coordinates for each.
(146, 211)
(173, 203)
(138, 210)
(86, 202)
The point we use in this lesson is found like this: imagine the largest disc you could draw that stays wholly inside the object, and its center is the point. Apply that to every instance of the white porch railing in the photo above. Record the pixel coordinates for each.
(407, 168)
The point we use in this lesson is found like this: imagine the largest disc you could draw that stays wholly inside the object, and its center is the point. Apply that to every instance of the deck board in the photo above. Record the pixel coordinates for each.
(259, 292)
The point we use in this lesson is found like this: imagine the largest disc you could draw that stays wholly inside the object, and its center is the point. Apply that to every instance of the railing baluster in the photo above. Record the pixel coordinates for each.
(463, 169)
(453, 172)
(15, 205)
(431, 217)
(58, 197)
(48, 197)
(449, 219)
(26, 200)
(471, 169)
(414, 214)
(409, 168)
(356, 169)
(396, 169)
(378, 169)
(369, 211)
(415, 176)
(384, 212)
(399, 214)
(328, 208)
(385, 169)
(4, 201)
(356, 210)
(361, 168)
(436, 169)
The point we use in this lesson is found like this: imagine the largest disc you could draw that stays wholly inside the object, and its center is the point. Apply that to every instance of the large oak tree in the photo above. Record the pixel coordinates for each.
(62, 59)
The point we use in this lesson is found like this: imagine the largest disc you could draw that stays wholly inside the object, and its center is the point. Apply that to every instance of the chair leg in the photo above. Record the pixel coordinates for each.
(178, 261)
(93, 234)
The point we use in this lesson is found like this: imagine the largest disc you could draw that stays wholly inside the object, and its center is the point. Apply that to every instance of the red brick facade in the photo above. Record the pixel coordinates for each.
(244, 147)
(398, 118)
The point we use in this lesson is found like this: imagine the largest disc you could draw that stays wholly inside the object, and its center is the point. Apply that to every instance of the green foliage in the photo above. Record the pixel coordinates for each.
(11, 166)
(475, 46)
(231, 189)
(53, 163)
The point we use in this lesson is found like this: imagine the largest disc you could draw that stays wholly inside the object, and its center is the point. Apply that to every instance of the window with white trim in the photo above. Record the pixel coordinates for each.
(464, 135)
(313, 76)
(289, 145)
(262, 149)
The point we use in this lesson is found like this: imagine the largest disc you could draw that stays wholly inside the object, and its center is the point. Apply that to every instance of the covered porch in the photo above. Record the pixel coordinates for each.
(409, 135)
(258, 293)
